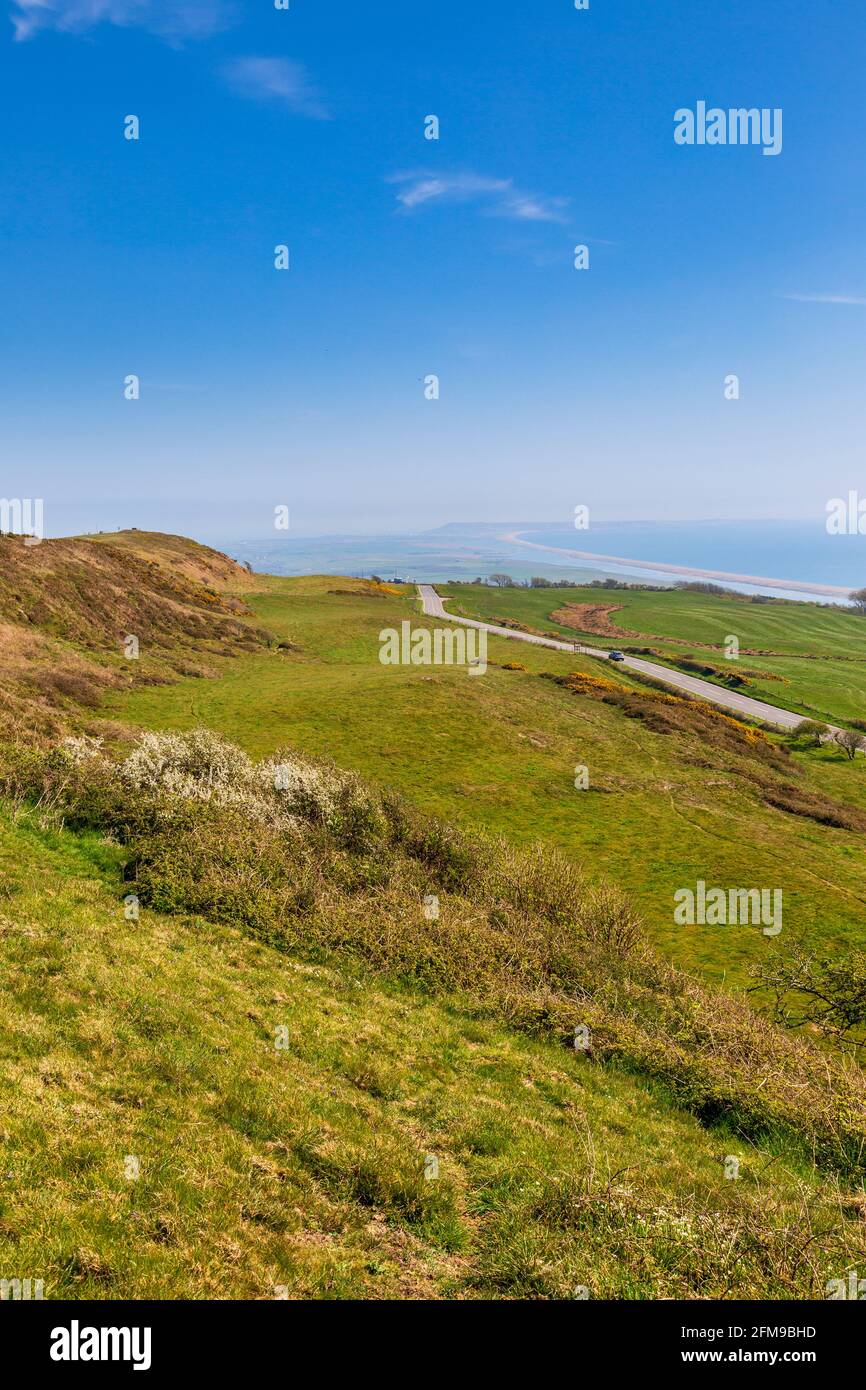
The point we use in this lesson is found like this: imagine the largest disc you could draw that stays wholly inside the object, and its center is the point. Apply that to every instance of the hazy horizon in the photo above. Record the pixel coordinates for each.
(198, 521)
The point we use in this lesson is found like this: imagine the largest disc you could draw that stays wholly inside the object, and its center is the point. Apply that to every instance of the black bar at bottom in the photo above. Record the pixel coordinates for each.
(87, 1338)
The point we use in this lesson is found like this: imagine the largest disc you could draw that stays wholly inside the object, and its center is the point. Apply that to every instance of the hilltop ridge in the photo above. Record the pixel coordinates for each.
(283, 1033)
(69, 607)
(181, 555)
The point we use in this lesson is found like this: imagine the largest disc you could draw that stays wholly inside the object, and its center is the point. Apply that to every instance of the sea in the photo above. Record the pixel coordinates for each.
(799, 551)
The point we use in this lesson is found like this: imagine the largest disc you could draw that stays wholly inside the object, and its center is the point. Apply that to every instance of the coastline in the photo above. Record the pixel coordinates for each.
(832, 591)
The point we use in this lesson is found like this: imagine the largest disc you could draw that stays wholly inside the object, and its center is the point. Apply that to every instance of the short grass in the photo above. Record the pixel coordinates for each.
(299, 1171)
(501, 751)
(819, 650)
(157, 1144)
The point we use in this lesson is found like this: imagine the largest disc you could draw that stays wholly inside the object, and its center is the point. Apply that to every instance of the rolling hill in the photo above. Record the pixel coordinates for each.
(245, 1059)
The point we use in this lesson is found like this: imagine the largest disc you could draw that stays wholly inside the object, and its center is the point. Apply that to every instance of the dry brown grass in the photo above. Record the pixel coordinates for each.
(802, 801)
(181, 556)
(93, 594)
(66, 608)
(674, 714)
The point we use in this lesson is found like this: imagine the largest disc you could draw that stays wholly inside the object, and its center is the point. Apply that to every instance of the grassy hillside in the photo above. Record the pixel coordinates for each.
(663, 808)
(817, 653)
(284, 902)
(178, 555)
(767, 625)
(158, 1143)
(80, 617)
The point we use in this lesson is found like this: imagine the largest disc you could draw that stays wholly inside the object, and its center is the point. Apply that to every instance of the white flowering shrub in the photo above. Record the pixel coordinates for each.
(201, 766)
(81, 749)
(193, 766)
(337, 800)
(301, 785)
(197, 766)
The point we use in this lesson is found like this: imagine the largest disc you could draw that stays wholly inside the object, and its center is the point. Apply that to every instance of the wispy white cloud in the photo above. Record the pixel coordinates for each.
(527, 209)
(420, 188)
(173, 20)
(276, 79)
(826, 298)
(494, 197)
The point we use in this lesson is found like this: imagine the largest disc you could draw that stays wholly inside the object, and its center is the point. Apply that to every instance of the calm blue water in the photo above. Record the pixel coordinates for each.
(433, 557)
(801, 551)
(778, 549)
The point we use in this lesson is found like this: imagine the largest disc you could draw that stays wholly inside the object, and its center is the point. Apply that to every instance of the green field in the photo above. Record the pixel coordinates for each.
(156, 1144)
(818, 650)
(500, 751)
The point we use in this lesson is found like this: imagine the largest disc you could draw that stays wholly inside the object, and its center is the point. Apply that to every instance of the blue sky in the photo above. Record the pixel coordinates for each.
(412, 257)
